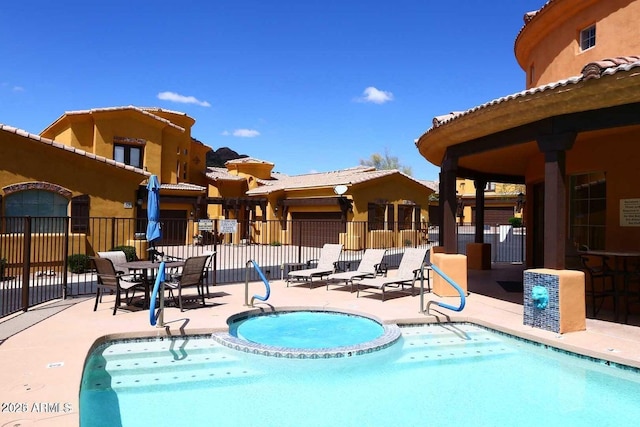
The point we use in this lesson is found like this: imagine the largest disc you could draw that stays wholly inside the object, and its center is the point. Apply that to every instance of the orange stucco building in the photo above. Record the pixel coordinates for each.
(571, 136)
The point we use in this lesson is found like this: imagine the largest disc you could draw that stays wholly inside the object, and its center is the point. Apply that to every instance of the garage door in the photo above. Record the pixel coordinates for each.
(314, 229)
(496, 215)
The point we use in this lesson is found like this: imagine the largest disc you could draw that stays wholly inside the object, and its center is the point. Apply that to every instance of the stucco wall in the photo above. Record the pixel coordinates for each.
(31, 161)
(594, 152)
(550, 42)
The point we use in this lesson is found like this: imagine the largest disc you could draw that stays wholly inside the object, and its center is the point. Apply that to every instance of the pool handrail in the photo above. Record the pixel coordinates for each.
(153, 315)
(449, 280)
(246, 284)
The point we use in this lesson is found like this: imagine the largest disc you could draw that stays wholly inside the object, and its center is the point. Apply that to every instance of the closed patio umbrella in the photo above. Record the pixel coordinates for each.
(153, 214)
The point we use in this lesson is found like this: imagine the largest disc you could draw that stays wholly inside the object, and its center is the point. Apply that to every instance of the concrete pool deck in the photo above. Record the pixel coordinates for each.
(43, 351)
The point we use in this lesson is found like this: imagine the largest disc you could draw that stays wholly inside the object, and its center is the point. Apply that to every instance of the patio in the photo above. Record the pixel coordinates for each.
(43, 350)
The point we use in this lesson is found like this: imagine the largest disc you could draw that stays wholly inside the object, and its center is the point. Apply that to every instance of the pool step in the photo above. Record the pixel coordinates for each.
(158, 364)
(176, 379)
(443, 345)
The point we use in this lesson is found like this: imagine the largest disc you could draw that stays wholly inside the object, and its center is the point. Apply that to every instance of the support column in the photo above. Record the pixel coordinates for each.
(480, 186)
(554, 147)
(448, 205)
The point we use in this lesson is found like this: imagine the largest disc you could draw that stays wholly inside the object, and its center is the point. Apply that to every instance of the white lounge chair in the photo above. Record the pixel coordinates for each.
(370, 266)
(410, 268)
(329, 256)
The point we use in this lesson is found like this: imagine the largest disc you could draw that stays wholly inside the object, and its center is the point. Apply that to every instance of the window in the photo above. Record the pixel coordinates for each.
(49, 206)
(588, 210)
(127, 154)
(80, 214)
(408, 215)
(588, 38)
(380, 216)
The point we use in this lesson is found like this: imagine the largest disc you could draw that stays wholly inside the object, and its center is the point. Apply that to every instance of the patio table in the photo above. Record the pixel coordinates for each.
(148, 270)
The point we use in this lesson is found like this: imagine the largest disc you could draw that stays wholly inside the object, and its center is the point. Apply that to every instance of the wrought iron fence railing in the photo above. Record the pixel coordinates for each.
(41, 259)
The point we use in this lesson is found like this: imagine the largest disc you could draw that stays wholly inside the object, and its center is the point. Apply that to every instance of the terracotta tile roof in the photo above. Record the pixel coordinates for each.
(146, 111)
(348, 177)
(222, 174)
(57, 145)
(597, 69)
(529, 16)
(594, 70)
(247, 160)
(434, 185)
(182, 186)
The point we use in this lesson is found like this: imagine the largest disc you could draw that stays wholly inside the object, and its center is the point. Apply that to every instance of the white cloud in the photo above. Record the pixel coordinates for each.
(18, 89)
(176, 97)
(376, 96)
(246, 133)
(225, 133)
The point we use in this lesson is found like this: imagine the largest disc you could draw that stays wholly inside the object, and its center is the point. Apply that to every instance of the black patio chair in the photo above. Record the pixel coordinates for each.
(115, 282)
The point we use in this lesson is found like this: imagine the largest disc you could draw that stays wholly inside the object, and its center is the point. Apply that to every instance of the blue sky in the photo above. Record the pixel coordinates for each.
(308, 85)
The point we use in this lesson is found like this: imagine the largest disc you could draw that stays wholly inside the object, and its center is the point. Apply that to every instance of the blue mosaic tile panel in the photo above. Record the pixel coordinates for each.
(547, 318)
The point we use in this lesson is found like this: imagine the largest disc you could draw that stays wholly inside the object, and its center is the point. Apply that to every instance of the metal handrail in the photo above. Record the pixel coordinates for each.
(156, 318)
(456, 287)
(246, 284)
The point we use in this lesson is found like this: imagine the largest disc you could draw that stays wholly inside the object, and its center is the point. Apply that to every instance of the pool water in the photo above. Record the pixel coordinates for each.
(307, 329)
(453, 374)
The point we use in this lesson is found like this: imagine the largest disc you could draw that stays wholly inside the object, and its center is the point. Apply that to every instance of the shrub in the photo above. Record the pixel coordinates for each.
(408, 242)
(3, 263)
(276, 243)
(129, 251)
(515, 222)
(78, 263)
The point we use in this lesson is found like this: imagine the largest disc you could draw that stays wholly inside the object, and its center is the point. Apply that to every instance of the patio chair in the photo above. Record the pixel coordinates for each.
(329, 256)
(370, 266)
(208, 268)
(111, 280)
(117, 258)
(410, 269)
(604, 274)
(191, 276)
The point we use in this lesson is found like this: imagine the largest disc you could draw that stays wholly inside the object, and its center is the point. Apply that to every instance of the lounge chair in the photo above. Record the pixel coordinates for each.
(370, 266)
(191, 276)
(111, 280)
(329, 256)
(410, 268)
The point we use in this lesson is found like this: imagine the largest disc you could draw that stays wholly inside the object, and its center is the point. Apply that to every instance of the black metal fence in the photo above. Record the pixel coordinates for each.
(41, 259)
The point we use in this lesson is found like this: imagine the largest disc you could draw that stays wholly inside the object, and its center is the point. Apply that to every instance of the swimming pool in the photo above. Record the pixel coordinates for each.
(452, 374)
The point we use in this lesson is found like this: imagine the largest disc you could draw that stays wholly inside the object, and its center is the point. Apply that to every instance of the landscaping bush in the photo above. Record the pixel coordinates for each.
(515, 222)
(79, 263)
(129, 251)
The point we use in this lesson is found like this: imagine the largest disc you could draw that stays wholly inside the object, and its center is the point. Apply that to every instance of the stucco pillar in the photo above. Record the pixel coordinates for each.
(480, 185)
(554, 147)
(448, 236)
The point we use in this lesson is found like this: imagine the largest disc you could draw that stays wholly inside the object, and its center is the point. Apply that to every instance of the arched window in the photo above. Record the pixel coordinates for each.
(48, 206)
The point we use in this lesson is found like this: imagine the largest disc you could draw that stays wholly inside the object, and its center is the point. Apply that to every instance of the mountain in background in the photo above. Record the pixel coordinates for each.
(217, 158)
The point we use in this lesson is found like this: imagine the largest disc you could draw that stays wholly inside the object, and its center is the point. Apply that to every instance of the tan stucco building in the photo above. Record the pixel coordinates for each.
(358, 207)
